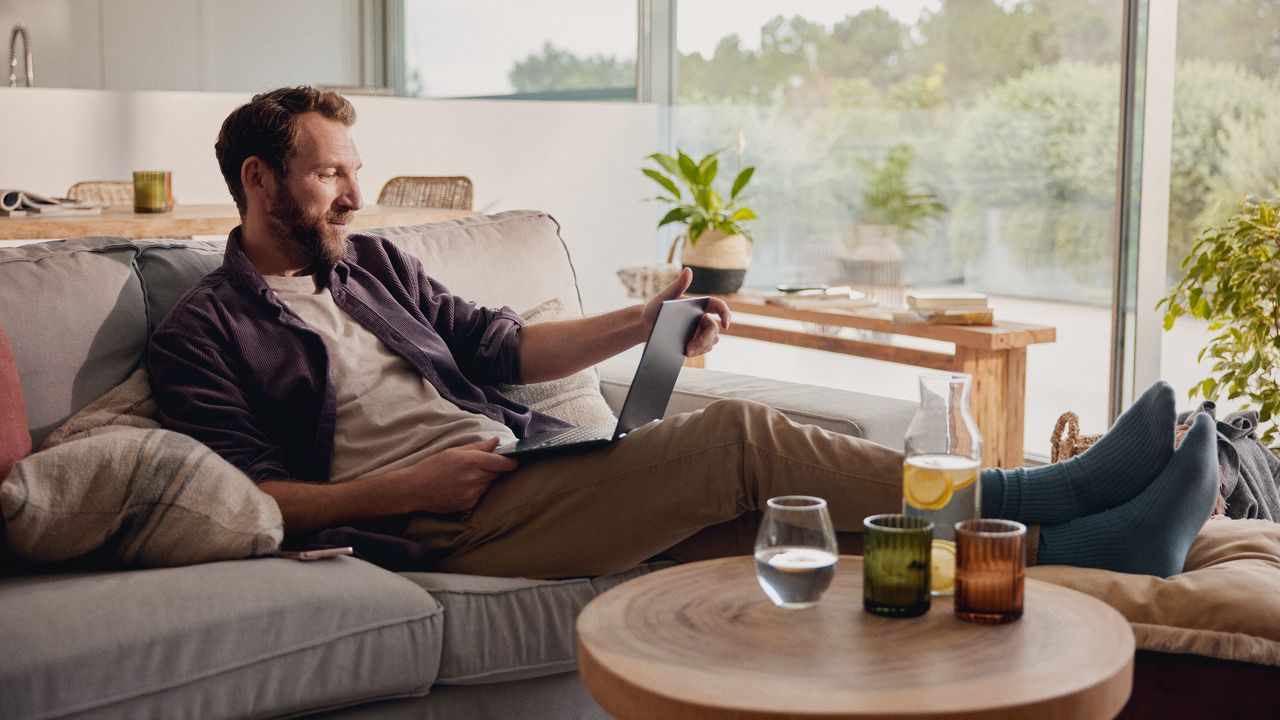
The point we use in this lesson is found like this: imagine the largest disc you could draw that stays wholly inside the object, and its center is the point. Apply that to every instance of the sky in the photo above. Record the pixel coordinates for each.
(485, 37)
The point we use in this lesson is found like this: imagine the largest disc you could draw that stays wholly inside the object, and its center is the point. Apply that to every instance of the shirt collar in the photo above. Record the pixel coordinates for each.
(248, 275)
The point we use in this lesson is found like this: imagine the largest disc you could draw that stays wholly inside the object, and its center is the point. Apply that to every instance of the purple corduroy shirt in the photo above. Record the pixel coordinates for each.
(232, 366)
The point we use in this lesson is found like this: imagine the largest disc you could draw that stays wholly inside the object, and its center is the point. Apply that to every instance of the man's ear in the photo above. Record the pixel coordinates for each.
(257, 179)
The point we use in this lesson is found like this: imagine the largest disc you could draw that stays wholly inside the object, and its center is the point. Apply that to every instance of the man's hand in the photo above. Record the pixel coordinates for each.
(715, 319)
(453, 480)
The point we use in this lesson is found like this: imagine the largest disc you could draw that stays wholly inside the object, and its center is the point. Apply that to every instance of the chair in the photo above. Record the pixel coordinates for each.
(452, 193)
(111, 192)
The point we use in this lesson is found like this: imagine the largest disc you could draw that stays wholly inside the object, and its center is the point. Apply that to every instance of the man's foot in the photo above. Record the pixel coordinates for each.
(1115, 470)
(1150, 534)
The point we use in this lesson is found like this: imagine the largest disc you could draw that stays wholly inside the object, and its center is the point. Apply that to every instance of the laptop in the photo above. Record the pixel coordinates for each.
(650, 391)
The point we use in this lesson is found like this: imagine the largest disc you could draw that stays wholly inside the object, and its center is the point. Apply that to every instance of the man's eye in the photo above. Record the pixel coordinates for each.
(328, 175)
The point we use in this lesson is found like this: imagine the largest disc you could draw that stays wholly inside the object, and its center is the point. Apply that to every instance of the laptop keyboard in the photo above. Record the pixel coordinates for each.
(578, 434)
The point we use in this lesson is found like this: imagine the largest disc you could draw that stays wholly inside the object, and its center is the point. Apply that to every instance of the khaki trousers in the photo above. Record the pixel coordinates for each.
(691, 486)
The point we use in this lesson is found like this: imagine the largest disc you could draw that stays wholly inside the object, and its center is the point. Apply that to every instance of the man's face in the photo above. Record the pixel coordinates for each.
(314, 200)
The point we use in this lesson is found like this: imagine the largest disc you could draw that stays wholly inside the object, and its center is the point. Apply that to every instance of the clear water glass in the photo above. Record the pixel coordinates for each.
(796, 551)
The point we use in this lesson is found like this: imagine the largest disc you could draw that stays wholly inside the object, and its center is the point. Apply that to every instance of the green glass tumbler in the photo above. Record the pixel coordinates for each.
(895, 565)
(152, 191)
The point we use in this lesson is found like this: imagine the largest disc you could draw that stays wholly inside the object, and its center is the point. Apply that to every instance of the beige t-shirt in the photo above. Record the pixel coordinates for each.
(388, 416)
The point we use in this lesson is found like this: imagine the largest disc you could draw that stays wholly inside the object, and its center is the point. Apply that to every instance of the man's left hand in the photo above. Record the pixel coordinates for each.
(715, 319)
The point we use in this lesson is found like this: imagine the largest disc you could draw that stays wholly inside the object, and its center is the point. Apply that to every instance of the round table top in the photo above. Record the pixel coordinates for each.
(702, 640)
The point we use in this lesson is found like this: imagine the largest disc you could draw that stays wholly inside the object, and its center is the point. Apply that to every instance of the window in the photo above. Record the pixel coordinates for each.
(999, 118)
(554, 50)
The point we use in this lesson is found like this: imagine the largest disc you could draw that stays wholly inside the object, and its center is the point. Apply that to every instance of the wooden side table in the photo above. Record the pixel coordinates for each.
(995, 355)
(702, 641)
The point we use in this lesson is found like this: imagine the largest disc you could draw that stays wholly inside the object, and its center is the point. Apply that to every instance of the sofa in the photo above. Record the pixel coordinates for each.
(271, 637)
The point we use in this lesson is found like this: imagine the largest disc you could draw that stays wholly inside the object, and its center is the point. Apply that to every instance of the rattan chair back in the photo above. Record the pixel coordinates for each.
(451, 193)
(111, 192)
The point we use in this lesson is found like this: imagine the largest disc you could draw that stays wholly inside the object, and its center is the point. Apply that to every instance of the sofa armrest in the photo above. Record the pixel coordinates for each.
(879, 419)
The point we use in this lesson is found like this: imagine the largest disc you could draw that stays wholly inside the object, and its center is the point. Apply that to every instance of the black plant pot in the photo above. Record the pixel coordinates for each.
(715, 281)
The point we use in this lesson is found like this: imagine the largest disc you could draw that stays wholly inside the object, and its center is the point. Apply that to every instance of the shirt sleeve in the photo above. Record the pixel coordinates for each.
(485, 342)
(197, 394)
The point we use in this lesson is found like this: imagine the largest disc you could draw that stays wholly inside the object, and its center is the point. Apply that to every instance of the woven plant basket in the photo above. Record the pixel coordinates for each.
(1066, 441)
(719, 262)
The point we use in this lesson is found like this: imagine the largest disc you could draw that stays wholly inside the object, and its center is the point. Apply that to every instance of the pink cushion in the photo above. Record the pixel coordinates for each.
(15, 438)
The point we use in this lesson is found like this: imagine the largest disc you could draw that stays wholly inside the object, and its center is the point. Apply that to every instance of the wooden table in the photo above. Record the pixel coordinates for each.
(995, 355)
(188, 220)
(702, 641)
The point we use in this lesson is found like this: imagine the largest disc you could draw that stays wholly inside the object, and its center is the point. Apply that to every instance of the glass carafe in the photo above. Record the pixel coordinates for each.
(940, 472)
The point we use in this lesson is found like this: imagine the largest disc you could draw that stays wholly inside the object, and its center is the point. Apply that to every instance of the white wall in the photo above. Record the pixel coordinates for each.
(578, 161)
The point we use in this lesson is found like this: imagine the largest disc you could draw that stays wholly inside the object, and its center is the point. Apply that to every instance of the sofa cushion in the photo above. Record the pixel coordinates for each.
(575, 399)
(514, 258)
(139, 498)
(74, 313)
(1225, 603)
(15, 439)
(501, 629)
(169, 268)
(244, 638)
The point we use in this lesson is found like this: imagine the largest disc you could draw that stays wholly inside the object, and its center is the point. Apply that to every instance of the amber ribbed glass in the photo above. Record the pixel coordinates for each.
(991, 570)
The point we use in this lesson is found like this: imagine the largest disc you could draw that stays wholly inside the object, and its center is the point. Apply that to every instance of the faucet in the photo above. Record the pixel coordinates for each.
(13, 56)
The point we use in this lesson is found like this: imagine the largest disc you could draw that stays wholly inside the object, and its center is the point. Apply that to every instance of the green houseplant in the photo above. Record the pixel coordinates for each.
(1232, 280)
(716, 242)
(891, 210)
(888, 198)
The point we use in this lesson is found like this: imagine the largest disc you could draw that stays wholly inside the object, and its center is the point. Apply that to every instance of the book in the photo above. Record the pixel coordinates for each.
(840, 297)
(945, 317)
(946, 301)
(22, 202)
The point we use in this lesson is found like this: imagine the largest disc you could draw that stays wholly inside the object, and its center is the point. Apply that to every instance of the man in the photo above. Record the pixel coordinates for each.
(356, 390)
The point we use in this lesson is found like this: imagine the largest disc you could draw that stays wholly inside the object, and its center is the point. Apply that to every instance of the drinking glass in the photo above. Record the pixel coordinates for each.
(991, 570)
(795, 551)
(895, 565)
(940, 471)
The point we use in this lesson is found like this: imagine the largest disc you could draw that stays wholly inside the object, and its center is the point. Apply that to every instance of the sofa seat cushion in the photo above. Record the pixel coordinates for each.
(501, 629)
(246, 638)
(1225, 603)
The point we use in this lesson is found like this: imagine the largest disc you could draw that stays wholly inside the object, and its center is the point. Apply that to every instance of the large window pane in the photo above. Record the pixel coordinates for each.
(1005, 112)
(1226, 111)
(557, 49)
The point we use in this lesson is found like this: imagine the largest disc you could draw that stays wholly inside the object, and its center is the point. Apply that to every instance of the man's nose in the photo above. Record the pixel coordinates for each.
(351, 198)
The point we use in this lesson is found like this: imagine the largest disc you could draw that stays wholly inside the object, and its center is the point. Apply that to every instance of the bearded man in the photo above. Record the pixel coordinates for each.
(356, 390)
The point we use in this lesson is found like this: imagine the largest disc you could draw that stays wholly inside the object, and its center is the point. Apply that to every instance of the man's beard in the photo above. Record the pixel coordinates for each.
(319, 241)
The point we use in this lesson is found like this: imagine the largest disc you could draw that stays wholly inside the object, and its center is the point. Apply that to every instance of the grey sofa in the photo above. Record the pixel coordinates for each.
(273, 637)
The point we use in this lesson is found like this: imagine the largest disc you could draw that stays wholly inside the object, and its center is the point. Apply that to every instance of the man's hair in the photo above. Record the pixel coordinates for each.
(266, 127)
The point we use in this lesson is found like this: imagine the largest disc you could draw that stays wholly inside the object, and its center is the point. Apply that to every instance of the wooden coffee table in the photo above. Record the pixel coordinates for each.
(702, 641)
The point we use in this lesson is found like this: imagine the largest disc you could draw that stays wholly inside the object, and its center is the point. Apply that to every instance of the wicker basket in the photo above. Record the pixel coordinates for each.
(1066, 441)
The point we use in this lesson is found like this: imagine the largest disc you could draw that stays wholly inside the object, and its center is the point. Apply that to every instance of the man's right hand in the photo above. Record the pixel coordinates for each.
(453, 480)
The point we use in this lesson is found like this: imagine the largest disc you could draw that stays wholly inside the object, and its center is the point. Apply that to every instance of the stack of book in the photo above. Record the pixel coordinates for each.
(835, 297)
(16, 203)
(946, 308)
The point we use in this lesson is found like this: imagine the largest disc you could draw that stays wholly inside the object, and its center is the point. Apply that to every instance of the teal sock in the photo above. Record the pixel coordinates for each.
(1118, 467)
(1150, 534)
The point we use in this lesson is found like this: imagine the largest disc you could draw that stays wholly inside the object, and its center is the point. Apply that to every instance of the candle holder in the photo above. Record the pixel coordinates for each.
(895, 566)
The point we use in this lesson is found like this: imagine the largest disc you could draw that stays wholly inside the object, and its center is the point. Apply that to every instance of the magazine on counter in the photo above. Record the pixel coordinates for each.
(16, 203)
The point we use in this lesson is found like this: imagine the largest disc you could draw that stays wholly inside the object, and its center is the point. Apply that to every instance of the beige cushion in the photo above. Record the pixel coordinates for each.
(575, 399)
(1225, 604)
(514, 259)
(112, 480)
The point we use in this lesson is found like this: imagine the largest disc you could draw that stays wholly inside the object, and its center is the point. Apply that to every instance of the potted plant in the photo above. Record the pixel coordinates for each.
(1232, 281)
(716, 244)
(891, 210)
